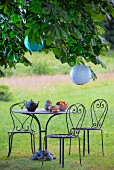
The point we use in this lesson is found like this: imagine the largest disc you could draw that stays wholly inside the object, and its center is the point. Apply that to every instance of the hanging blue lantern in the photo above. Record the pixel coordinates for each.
(33, 46)
(80, 74)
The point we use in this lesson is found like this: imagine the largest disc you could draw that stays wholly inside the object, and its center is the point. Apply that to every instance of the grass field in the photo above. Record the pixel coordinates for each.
(58, 87)
(47, 64)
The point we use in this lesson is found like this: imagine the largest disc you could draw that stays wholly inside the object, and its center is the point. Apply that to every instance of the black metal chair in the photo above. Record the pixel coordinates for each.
(98, 111)
(21, 124)
(75, 115)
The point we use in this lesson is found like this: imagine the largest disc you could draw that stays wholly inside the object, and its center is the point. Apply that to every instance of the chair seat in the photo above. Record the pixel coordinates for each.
(21, 131)
(60, 136)
(90, 128)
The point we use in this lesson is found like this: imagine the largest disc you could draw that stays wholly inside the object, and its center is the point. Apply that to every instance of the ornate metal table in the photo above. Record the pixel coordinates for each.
(39, 154)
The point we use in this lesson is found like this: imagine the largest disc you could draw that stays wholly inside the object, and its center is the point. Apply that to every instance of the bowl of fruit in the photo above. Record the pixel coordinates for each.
(62, 105)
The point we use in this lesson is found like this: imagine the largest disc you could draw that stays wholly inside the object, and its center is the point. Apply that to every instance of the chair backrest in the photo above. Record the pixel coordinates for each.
(75, 115)
(20, 121)
(99, 110)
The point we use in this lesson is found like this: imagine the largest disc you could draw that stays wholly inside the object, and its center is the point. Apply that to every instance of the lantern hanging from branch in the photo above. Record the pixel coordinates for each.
(80, 74)
(33, 46)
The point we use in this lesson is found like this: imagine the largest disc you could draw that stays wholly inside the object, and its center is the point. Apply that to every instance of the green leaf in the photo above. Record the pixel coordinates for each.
(79, 50)
(5, 9)
(77, 33)
(11, 58)
(93, 74)
(44, 25)
(46, 11)
(57, 33)
(72, 60)
(3, 35)
(49, 41)
(112, 12)
(28, 31)
(28, 25)
(97, 15)
(2, 74)
(104, 12)
(63, 57)
(64, 33)
(11, 64)
(79, 60)
(103, 40)
(15, 18)
(100, 62)
(1, 6)
(100, 29)
(56, 51)
(93, 42)
(11, 34)
(26, 62)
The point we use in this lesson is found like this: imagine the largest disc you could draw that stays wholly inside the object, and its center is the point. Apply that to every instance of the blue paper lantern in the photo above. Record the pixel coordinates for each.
(80, 74)
(33, 46)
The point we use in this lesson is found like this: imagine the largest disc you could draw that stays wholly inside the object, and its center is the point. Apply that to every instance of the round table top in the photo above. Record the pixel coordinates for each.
(38, 111)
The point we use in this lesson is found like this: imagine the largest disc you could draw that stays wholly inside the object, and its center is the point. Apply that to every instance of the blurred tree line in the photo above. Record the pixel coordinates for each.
(109, 31)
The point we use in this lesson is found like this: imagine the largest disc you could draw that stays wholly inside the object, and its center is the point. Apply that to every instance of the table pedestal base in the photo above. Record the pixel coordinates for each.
(40, 154)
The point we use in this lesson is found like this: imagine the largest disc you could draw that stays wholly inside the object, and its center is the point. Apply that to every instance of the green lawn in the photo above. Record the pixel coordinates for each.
(59, 90)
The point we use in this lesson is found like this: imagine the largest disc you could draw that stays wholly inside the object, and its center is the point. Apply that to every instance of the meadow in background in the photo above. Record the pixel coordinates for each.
(49, 79)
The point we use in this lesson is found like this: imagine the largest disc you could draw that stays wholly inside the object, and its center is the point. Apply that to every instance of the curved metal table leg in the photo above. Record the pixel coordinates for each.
(39, 154)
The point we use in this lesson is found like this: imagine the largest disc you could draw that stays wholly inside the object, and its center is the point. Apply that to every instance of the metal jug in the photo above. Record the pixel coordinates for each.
(31, 105)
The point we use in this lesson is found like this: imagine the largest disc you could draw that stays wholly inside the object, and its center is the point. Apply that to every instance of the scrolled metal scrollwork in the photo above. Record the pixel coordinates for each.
(20, 125)
(99, 110)
(77, 109)
(75, 118)
(72, 131)
(94, 125)
(100, 124)
(100, 104)
(23, 127)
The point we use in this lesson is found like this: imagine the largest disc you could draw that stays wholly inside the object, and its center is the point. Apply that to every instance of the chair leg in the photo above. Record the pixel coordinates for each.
(61, 158)
(32, 142)
(70, 146)
(62, 152)
(83, 142)
(79, 152)
(102, 142)
(10, 143)
(88, 141)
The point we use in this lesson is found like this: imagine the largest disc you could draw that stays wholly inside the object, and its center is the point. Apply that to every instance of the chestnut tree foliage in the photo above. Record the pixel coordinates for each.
(70, 29)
